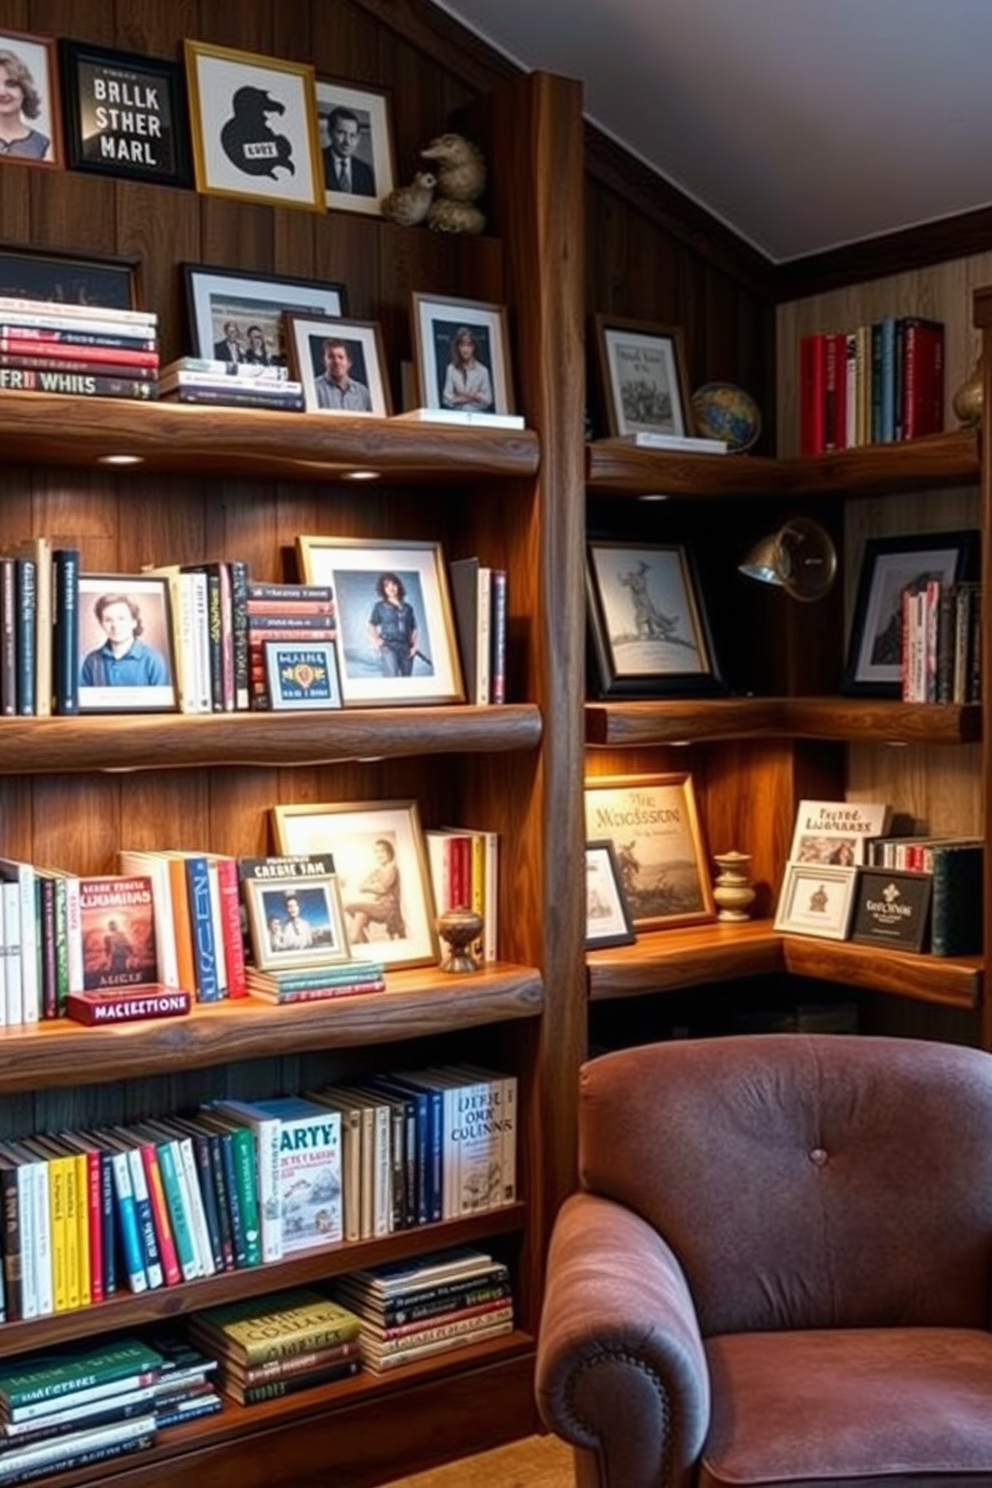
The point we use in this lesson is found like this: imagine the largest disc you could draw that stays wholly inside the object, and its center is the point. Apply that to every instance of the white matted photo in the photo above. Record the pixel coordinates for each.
(295, 922)
(642, 367)
(356, 145)
(462, 355)
(238, 317)
(340, 364)
(30, 124)
(125, 644)
(396, 637)
(816, 899)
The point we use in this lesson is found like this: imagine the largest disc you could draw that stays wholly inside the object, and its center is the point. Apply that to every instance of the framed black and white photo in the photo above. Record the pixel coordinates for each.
(396, 637)
(340, 364)
(125, 114)
(236, 317)
(254, 127)
(462, 355)
(647, 622)
(70, 278)
(30, 122)
(643, 372)
(608, 920)
(356, 145)
(126, 661)
(890, 566)
(295, 921)
(301, 674)
(380, 860)
(816, 899)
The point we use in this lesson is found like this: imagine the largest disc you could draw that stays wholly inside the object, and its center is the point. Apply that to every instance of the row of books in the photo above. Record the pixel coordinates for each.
(84, 350)
(464, 872)
(877, 384)
(191, 379)
(940, 659)
(478, 594)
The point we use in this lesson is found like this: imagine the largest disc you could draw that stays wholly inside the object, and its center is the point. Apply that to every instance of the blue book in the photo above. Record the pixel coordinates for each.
(131, 1251)
(432, 1124)
(65, 630)
(208, 982)
(418, 1199)
(26, 620)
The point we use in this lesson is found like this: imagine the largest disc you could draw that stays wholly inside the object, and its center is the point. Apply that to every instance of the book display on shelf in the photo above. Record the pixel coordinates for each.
(892, 391)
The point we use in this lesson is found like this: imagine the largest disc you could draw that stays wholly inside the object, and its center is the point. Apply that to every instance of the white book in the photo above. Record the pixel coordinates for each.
(124, 1195)
(49, 1453)
(502, 1116)
(836, 831)
(189, 1179)
(74, 925)
(309, 1171)
(44, 1275)
(154, 866)
(190, 633)
(13, 954)
(191, 368)
(690, 444)
(217, 916)
(69, 314)
(463, 416)
(142, 1198)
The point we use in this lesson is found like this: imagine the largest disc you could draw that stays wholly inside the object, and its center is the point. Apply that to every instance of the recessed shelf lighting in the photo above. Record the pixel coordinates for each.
(655, 496)
(362, 475)
(120, 459)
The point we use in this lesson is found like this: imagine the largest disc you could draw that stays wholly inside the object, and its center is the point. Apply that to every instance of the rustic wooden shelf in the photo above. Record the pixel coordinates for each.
(951, 981)
(48, 428)
(416, 1004)
(618, 723)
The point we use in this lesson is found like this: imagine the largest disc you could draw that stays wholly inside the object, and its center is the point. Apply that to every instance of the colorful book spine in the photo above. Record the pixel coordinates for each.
(65, 654)
(75, 384)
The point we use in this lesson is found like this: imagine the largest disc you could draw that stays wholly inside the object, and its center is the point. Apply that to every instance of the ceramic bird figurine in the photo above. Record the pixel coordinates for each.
(459, 167)
(454, 216)
(408, 205)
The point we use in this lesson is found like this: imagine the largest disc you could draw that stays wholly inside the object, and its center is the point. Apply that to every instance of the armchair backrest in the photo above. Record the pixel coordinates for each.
(804, 1180)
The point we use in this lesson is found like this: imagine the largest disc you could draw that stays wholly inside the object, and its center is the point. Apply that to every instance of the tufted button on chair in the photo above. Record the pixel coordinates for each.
(778, 1268)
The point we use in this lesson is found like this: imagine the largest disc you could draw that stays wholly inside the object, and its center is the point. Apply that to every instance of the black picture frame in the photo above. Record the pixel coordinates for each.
(216, 295)
(71, 278)
(648, 626)
(104, 88)
(608, 921)
(892, 908)
(888, 565)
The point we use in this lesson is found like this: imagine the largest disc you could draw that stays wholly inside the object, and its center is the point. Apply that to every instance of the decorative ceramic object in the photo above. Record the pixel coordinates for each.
(732, 890)
(460, 171)
(409, 205)
(459, 928)
(724, 411)
(967, 400)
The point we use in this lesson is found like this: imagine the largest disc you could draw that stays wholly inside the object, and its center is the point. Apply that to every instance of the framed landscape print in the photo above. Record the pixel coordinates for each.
(230, 312)
(652, 824)
(642, 368)
(380, 861)
(462, 355)
(254, 126)
(340, 364)
(607, 916)
(356, 146)
(647, 622)
(125, 644)
(396, 637)
(31, 129)
(125, 114)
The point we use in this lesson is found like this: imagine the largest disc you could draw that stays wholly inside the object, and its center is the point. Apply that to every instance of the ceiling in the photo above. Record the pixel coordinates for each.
(803, 125)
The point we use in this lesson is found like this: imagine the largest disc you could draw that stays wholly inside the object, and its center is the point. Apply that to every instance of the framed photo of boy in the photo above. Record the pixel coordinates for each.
(30, 127)
(254, 125)
(125, 114)
(607, 916)
(295, 921)
(396, 636)
(125, 652)
(816, 899)
(380, 860)
(642, 368)
(340, 364)
(647, 622)
(462, 355)
(652, 824)
(356, 145)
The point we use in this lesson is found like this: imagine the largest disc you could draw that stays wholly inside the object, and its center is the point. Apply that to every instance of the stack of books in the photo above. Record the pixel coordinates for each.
(238, 384)
(464, 871)
(478, 595)
(410, 1310)
(279, 1344)
(316, 983)
(299, 613)
(84, 350)
(74, 1408)
(185, 1389)
(940, 654)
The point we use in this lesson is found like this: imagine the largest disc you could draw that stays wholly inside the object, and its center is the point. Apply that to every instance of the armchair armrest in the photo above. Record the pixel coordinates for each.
(621, 1372)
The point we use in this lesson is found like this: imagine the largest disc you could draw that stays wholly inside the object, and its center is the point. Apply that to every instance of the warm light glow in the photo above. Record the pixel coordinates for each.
(120, 460)
(654, 496)
(362, 475)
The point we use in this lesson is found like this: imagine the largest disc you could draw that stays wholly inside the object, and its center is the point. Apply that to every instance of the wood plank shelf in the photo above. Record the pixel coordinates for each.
(156, 741)
(50, 428)
(869, 720)
(950, 981)
(416, 1004)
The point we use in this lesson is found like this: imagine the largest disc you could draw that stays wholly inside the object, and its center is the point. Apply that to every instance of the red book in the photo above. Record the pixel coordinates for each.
(922, 378)
(835, 392)
(230, 912)
(812, 393)
(133, 1006)
(69, 362)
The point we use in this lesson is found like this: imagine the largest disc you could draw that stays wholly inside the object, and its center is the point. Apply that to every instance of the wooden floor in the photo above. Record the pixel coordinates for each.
(535, 1462)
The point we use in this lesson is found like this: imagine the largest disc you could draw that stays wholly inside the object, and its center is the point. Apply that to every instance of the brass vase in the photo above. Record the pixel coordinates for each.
(967, 400)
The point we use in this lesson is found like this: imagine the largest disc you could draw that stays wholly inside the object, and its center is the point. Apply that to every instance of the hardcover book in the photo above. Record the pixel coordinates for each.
(257, 1329)
(837, 831)
(117, 926)
(133, 1006)
(309, 1171)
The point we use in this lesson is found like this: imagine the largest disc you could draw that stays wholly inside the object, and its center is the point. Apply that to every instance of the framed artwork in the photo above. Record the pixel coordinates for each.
(462, 355)
(607, 916)
(642, 368)
(381, 865)
(340, 364)
(254, 125)
(301, 674)
(816, 899)
(356, 145)
(30, 127)
(647, 622)
(396, 636)
(125, 114)
(237, 317)
(295, 921)
(652, 824)
(126, 661)
(890, 565)
(70, 279)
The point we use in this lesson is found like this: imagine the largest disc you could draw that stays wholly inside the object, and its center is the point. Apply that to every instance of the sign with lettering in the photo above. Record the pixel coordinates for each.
(892, 909)
(125, 114)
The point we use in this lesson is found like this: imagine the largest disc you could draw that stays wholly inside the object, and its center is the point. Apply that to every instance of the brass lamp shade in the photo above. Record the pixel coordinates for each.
(800, 557)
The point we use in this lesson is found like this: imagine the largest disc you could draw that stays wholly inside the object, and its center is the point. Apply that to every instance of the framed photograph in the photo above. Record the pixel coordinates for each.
(396, 637)
(295, 921)
(607, 916)
(892, 909)
(462, 355)
(126, 661)
(30, 124)
(237, 317)
(254, 125)
(647, 622)
(125, 114)
(70, 279)
(816, 899)
(340, 364)
(890, 565)
(299, 674)
(381, 864)
(642, 367)
(652, 824)
(356, 145)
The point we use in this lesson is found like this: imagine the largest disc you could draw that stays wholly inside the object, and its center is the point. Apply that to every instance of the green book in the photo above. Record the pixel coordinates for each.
(46, 1376)
(245, 1165)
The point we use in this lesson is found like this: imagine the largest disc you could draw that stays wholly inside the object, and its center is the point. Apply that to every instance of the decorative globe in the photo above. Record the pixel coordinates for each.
(724, 411)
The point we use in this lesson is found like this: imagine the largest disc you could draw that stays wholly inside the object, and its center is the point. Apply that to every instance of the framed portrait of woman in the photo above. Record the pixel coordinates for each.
(30, 116)
(462, 356)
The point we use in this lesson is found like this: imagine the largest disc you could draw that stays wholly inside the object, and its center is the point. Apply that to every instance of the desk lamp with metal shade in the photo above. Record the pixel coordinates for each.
(800, 558)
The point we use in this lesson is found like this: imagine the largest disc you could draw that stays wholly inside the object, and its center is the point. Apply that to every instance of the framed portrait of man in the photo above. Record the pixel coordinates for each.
(356, 147)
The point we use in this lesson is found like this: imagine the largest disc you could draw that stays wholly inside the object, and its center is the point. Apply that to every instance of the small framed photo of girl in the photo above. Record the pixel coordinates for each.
(462, 356)
(30, 121)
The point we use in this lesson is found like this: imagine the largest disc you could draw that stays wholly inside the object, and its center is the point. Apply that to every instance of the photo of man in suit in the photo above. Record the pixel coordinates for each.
(343, 169)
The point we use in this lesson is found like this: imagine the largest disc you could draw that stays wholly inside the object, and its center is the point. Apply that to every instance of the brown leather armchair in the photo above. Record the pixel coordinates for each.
(777, 1269)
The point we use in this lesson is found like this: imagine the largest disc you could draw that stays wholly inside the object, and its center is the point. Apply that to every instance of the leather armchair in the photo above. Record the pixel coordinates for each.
(777, 1269)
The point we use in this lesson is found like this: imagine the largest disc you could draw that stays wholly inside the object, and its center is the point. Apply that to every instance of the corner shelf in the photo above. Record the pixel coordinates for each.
(867, 720)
